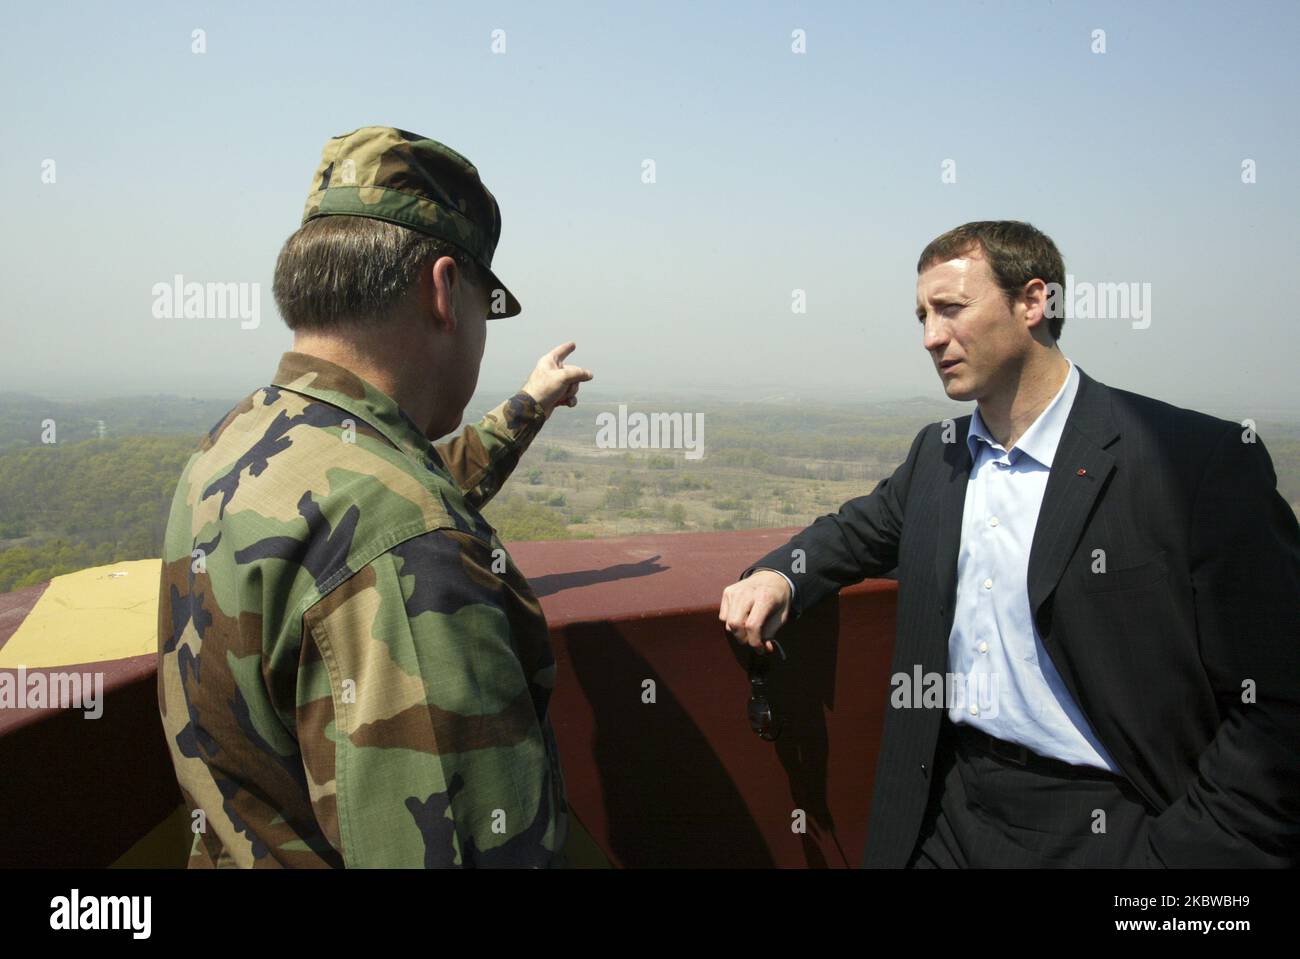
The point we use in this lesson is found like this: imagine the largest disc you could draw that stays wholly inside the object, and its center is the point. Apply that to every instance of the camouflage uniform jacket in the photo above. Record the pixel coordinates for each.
(351, 669)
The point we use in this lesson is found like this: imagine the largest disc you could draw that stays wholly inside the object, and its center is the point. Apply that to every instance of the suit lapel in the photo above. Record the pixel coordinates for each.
(949, 506)
(1080, 469)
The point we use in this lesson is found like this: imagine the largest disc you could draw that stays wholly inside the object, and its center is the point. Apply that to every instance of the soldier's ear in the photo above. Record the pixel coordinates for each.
(445, 279)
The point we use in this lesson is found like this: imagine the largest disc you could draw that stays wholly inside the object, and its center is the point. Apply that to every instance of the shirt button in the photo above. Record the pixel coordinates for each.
(988, 584)
(983, 647)
(993, 521)
(974, 710)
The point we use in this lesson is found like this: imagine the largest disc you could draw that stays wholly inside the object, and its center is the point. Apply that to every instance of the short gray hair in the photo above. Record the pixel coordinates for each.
(344, 271)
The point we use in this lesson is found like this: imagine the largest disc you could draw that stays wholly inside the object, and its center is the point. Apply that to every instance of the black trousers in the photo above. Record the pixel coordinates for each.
(986, 810)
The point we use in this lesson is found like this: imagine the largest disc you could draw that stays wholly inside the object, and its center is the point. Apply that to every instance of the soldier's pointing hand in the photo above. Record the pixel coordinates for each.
(552, 383)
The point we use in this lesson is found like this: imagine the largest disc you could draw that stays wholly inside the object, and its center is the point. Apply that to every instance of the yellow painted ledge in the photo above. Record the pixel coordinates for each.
(108, 612)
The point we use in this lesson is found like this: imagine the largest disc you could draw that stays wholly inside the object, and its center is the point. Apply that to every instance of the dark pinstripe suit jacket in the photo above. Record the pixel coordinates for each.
(1184, 655)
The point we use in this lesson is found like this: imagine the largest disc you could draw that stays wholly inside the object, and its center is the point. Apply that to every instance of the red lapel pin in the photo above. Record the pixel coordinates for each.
(1081, 472)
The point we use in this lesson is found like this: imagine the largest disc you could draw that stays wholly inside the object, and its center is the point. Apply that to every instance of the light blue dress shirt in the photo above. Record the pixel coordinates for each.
(1012, 690)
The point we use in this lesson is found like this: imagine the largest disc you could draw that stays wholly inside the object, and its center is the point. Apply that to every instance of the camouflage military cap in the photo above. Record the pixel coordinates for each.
(415, 182)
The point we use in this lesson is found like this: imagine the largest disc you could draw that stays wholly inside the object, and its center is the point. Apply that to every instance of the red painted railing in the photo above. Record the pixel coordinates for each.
(661, 766)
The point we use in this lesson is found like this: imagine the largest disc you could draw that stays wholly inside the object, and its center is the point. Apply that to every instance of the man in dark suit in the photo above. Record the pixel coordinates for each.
(1097, 658)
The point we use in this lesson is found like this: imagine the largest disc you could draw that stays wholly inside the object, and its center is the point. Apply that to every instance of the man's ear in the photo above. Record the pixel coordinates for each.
(1034, 297)
(444, 285)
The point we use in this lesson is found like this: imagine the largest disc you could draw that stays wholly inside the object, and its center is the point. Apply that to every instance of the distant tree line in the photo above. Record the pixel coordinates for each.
(65, 507)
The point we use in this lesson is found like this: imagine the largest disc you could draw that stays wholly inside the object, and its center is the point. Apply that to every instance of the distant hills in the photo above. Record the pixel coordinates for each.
(22, 416)
(100, 493)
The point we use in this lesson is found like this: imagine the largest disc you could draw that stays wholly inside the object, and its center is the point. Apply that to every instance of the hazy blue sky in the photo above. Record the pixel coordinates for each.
(775, 171)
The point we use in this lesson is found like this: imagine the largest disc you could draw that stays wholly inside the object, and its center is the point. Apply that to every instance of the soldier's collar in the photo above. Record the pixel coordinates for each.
(330, 383)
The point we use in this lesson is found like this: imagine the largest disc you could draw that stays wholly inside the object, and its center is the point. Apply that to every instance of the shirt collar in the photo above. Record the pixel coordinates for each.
(1044, 434)
(330, 383)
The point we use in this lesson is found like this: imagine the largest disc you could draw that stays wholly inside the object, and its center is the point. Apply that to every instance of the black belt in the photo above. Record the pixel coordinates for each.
(1018, 755)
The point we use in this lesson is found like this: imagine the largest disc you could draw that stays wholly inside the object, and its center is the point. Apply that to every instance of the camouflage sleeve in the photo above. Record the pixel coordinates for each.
(421, 714)
(484, 455)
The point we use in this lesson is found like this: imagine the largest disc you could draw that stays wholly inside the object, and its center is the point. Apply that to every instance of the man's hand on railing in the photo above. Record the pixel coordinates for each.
(754, 608)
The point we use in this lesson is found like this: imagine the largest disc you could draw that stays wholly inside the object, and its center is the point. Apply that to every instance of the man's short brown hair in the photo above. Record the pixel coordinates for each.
(352, 271)
(1016, 253)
